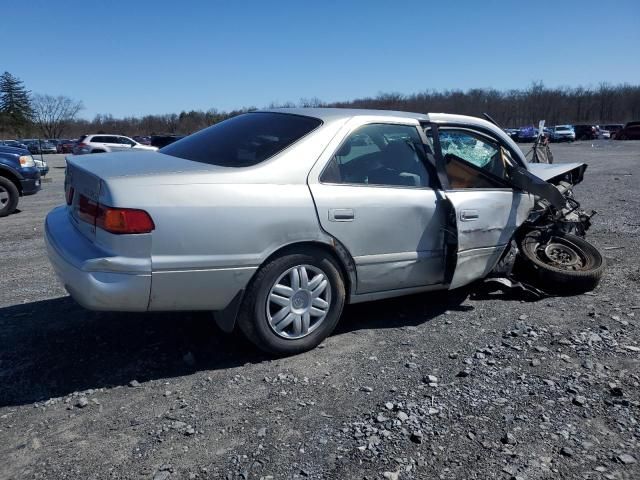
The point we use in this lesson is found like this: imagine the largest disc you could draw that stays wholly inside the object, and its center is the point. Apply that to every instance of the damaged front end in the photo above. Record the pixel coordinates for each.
(548, 254)
(567, 216)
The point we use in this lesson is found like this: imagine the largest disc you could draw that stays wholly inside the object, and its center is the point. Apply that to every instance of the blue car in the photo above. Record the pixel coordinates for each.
(19, 176)
(526, 134)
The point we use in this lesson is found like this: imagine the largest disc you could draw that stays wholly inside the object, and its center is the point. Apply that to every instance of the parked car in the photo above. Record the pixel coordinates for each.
(142, 140)
(18, 176)
(562, 133)
(164, 140)
(102, 143)
(603, 132)
(585, 132)
(65, 146)
(13, 143)
(526, 134)
(40, 146)
(41, 164)
(613, 128)
(631, 131)
(512, 132)
(277, 219)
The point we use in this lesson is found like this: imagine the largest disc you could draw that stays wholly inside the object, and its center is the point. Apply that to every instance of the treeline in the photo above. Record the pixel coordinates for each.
(171, 123)
(512, 108)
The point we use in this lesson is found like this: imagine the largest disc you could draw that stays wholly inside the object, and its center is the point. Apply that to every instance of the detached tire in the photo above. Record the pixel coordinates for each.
(561, 262)
(293, 303)
(9, 197)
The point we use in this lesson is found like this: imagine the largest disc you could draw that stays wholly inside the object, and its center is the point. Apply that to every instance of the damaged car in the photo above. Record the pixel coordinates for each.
(274, 220)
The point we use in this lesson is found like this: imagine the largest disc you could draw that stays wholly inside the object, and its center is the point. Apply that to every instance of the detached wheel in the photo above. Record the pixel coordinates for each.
(561, 262)
(9, 196)
(293, 303)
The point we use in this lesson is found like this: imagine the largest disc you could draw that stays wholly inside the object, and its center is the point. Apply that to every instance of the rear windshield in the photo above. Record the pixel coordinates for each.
(244, 140)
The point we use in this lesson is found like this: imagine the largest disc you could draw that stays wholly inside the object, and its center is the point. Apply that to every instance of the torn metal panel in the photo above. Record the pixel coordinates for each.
(549, 173)
(528, 182)
(509, 285)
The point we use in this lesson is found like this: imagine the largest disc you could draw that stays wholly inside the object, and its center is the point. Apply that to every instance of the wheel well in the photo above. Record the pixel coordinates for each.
(13, 178)
(337, 252)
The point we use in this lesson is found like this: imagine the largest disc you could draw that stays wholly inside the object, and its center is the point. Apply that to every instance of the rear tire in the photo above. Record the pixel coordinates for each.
(560, 263)
(9, 196)
(284, 316)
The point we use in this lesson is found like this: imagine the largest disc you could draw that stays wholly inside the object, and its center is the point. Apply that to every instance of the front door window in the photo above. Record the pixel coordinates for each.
(472, 160)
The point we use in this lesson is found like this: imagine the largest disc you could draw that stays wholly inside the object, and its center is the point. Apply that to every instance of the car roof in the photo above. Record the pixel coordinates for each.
(329, 114)
(334, 114)
(106, 135)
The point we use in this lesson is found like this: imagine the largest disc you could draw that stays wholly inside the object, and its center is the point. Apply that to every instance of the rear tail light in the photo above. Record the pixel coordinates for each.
(124, 220)
(87, 210)
(114, 220)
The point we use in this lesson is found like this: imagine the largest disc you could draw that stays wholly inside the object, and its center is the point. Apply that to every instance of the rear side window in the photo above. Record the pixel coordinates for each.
(244, 140)
(382, 155)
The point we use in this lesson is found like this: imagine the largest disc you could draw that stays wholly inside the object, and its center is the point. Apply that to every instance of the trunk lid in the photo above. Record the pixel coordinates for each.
(89, 177)
(135, 163)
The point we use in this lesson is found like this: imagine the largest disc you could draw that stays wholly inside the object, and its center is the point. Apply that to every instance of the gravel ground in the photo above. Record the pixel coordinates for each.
(428, 386)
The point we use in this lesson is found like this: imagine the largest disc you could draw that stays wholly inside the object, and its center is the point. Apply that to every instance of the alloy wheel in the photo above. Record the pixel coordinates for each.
(298, 302)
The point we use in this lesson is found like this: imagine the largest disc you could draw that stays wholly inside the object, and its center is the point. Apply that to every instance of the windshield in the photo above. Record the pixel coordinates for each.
(244, 140)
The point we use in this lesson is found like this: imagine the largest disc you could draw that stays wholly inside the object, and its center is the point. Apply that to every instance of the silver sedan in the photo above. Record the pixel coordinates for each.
(275, 220)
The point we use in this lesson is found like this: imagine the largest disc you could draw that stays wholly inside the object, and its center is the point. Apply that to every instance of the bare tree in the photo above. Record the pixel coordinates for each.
(52, 115)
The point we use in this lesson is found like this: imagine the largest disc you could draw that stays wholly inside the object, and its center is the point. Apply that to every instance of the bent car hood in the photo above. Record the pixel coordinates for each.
(550, 172)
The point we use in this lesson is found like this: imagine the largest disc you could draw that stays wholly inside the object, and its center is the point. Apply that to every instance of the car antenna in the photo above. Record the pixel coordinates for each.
(488, 117)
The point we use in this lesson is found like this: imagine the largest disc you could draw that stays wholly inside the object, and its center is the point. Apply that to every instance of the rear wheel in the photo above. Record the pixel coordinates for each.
(9, 196)
(560, 262)
(293, 303)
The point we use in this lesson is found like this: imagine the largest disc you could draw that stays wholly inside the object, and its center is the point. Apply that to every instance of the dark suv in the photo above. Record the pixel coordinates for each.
(631, 131)
(18, 176)
(585, 132)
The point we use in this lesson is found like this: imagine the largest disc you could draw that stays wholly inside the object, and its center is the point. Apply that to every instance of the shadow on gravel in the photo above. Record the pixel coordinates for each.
(54, 347)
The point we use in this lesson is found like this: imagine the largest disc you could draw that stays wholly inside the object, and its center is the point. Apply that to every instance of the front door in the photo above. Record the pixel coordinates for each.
(487, 209)
(375, 195)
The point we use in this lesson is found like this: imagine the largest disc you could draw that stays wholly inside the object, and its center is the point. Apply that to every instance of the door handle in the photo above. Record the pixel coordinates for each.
(469, 215)
(341, 215)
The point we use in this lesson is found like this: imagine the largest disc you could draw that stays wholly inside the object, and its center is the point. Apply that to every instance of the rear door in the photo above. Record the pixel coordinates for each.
(374, 192)
(114, 143)
(99, 142)
(486, 208)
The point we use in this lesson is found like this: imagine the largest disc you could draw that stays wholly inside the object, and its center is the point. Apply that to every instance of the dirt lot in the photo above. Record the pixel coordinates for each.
(422, 387)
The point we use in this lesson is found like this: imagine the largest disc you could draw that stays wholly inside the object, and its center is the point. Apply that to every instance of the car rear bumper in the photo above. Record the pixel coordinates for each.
(74, 259)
